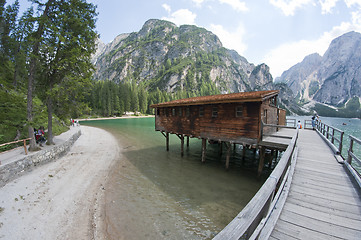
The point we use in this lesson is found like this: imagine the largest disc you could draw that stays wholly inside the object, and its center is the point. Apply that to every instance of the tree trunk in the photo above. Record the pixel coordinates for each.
(32, 71)
(50, 122)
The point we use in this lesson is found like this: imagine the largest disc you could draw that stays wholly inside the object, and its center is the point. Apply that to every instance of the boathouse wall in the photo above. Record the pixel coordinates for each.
(232, 122)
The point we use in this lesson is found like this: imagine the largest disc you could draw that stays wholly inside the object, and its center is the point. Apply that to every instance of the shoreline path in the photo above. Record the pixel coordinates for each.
(62, 199)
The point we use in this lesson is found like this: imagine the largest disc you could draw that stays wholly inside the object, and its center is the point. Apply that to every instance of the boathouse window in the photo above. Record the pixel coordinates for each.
(215, 112)
(239, 111)
(166, 112)
(201, 111)
(173, 111)
(273, 101)
(188, 111)
(180, 112)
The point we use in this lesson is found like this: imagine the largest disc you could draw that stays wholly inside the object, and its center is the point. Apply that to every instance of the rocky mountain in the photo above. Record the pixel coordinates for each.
(164, 56)
(332, 79)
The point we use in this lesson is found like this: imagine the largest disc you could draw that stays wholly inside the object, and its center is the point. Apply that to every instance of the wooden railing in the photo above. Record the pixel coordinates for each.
(291, 122)
(351, 155)
(250, 221)
(332, 134)
(22, 140)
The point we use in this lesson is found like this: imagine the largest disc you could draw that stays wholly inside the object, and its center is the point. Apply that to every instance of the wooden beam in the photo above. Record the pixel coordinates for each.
(167, 141)
(204, 149)
(229, 146)
(261, 160)
(182, 145)
(187, 141)
(220, 148)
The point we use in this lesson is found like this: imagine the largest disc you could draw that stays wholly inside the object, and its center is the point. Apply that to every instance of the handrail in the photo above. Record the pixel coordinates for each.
(351, 155)
(22, 140)
(248, 220)
(292, 121)
(324, 129)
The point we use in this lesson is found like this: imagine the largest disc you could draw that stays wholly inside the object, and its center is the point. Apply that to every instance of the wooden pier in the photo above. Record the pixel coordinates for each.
(322, 201)
(310, 195)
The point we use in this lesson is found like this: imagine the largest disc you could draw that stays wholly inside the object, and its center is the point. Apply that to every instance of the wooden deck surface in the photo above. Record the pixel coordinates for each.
(322, 202)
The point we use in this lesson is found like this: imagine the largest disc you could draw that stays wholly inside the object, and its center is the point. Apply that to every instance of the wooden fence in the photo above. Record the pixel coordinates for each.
(22, 140)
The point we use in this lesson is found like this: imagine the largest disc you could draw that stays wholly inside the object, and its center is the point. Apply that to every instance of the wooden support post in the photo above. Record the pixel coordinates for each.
(204, 149)
(261, 161)
(187, 141)
(182, 145)
(271, 159)
(229, 146)
(167, 141)
(234, 147)
(220, 148)
(243, 153)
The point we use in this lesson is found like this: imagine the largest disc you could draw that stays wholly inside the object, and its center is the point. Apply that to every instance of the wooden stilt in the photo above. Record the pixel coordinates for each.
(166, 135)
(234, 147)
(229, 145)
(261, 160)
(220, 148)
(187, 141)
(167, 141)
(182, 145)
(271, 159)
(243, 152)
(204, 149)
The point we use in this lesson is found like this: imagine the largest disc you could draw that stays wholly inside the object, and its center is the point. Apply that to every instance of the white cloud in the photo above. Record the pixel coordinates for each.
(286, 55)
(289, 7)
(236, 5)
(167, 8)
(350, 3)
(181, 16)
(327, 5)
(198, 2)
(232, 40)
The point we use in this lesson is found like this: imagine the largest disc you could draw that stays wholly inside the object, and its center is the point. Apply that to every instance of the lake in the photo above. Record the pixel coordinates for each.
(155, 194)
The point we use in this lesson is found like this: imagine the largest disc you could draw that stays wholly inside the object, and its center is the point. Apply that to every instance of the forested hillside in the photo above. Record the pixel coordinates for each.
(45, 70)
(173, 62)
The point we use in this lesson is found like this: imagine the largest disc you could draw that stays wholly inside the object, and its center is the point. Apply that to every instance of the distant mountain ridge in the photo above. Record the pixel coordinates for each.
(334, 78)
(170, 58)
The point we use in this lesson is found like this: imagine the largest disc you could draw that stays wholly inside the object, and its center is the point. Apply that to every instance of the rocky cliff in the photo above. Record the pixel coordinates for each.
(162, 55)
(332, 79)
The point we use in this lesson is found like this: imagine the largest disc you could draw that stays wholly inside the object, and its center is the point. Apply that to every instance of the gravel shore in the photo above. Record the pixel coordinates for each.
(63, 199)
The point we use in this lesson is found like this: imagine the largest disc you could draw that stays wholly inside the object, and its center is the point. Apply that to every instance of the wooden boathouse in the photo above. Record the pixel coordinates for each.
(235, 118)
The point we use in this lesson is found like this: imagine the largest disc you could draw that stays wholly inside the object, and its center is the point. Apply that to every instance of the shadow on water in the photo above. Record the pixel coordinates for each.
(166, 189)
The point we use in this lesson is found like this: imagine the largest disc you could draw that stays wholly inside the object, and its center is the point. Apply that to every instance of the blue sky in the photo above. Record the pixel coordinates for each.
(279, 33)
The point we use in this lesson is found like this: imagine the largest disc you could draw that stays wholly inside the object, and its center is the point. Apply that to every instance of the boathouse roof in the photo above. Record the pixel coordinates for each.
(258, 96)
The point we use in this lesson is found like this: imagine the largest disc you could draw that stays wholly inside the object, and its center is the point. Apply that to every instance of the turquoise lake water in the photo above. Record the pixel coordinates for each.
(155, 194)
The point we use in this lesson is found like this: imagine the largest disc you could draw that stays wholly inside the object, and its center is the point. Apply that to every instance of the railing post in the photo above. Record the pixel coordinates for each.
(328, 129)
(350, 150)
(333, 135)
(341, 143)
(26, 151)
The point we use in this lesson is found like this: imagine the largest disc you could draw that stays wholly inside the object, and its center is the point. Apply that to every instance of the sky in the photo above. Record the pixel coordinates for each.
(279, 33)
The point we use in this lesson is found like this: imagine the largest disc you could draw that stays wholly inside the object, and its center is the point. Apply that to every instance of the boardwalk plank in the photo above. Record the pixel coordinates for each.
(326, 195)
(325, 187)
(324, 217)
(287, 230)
(315, 225)
(325, 208)
(318, 170)
(325, 176)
